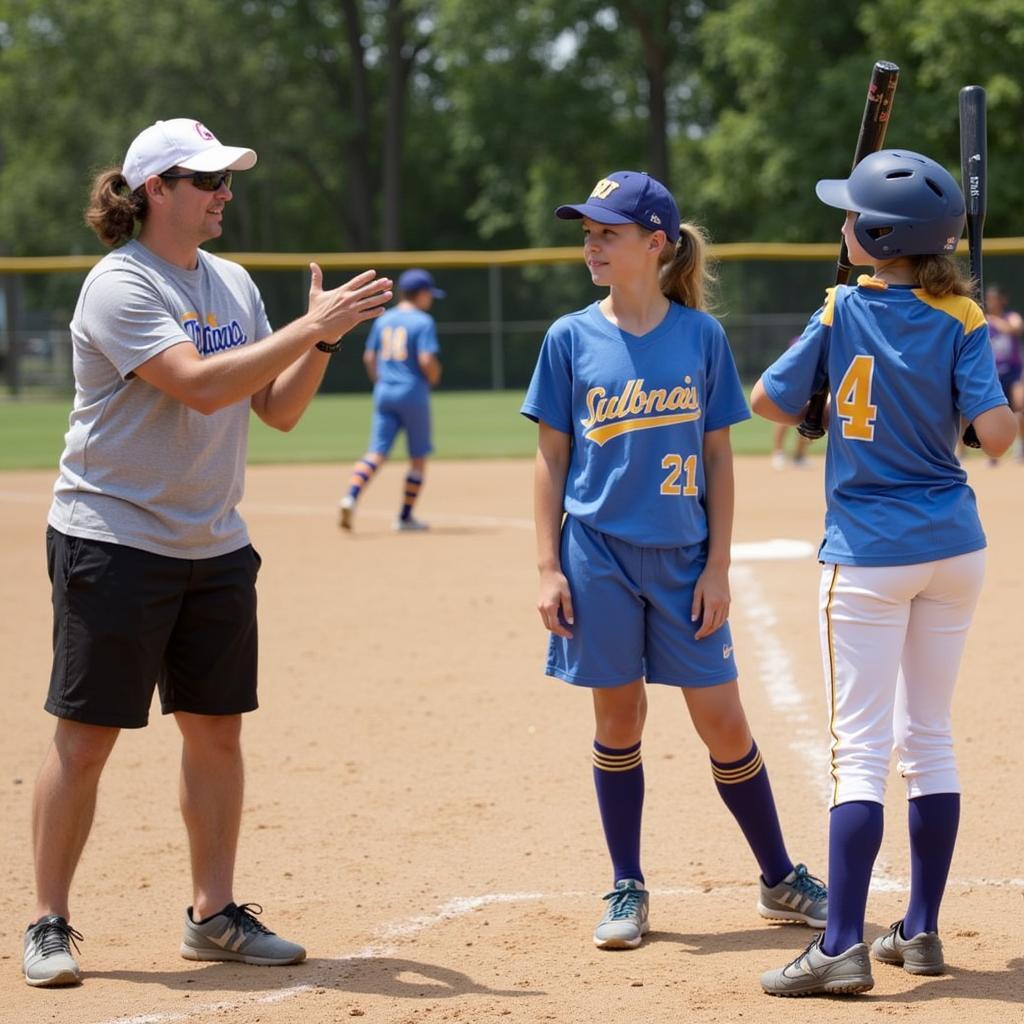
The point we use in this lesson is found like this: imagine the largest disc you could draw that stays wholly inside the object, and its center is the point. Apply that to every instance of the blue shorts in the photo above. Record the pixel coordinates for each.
(390, 415)
(632, 612)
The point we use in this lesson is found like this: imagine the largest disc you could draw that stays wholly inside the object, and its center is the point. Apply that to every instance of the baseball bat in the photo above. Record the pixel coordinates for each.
(877, 110)
(974, 178)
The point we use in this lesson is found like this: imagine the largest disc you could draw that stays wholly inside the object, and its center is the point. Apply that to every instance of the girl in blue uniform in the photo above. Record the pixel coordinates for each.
(634, 397)
(907, 354)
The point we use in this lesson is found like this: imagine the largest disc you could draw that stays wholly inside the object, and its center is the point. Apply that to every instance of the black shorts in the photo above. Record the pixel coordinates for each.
(126, 620)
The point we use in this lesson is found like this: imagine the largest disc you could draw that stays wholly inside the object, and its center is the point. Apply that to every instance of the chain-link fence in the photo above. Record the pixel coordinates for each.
(498, 307)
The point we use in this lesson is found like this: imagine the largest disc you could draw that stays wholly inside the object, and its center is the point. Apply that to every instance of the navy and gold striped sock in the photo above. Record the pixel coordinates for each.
(362, 474)
(744, 787)
(413, 483)
(619, 781)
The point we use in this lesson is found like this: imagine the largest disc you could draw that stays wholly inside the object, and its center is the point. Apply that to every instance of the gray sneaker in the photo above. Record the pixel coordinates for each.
(235, 934)
(812, 972)
(625, 921)
(920, 955)
(798, 897)
(48, 960)
(410, 525)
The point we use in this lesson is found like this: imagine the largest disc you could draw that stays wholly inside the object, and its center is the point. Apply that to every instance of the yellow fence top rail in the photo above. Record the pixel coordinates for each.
(465, 258)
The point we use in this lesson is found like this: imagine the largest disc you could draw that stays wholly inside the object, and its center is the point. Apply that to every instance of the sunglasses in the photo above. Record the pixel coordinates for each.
(205, 181)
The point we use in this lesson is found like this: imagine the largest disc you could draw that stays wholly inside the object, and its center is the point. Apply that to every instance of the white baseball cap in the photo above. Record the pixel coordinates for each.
(180, 142)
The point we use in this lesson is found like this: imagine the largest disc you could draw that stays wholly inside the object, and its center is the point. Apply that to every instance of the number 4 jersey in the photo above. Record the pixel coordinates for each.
(637, 409)
(903, 367)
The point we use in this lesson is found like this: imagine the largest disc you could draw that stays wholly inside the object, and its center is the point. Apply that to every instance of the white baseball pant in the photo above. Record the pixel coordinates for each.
(891, 640)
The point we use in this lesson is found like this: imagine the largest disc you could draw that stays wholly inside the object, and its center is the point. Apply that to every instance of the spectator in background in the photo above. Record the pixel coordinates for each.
(1005, 328)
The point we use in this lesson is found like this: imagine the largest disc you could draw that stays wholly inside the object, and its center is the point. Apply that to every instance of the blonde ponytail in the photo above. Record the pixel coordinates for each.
(685, 275)
(114, 210)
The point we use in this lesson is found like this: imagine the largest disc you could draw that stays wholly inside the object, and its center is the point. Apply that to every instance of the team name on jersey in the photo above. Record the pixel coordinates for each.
(634, 408)
(209, 337)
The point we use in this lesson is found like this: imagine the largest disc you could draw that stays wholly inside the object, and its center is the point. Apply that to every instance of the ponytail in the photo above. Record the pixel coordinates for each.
(942, 275)
(114, 210)
(685, 276)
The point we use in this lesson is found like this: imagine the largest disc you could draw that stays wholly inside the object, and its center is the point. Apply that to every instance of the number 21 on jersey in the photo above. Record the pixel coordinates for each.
(853, 400)
(677, 466)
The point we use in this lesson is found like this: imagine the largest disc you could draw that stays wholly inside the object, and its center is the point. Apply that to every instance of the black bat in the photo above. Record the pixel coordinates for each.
(877, 110)
(974, 178)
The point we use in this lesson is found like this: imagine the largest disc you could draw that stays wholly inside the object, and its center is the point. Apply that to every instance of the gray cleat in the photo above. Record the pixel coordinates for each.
(410, 525)
(625, 921)
(798, 897)
(813, 973)
(236, 934)
(920, 955)
(48, 960)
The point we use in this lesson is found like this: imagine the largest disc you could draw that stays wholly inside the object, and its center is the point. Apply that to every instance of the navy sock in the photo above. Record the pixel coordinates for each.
(619, 781)
(413, 483)
(744, 787)
(933, 821)
(854, 837)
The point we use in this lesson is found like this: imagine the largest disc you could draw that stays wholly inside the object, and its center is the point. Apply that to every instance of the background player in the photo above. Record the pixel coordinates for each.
(800, 445)
(1005, 328)
(634, 397)
(401, 360)
(908, 354)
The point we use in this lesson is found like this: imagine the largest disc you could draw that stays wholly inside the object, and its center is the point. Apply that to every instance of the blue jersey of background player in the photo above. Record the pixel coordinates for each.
(401, 360)
(634, 397)
(907, 357)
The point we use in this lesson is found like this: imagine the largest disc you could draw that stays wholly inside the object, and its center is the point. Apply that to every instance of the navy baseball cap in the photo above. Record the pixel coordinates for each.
(418, 280)
(629, 197)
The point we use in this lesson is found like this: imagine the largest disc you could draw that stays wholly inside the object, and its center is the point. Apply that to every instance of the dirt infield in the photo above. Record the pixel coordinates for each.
(420, 810)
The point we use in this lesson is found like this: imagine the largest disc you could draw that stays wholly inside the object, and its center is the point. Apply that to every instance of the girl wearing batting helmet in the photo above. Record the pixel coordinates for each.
(634, 397)
(907, 354)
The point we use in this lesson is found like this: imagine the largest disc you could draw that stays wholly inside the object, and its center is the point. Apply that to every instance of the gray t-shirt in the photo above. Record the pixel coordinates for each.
(139, 467)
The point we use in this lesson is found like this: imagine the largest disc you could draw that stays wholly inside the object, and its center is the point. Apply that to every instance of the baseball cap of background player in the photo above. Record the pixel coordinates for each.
(629, 197)
(180, 142)
(417, 280)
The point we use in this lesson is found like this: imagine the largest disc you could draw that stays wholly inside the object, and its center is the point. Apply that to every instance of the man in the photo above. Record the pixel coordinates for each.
(152, 571)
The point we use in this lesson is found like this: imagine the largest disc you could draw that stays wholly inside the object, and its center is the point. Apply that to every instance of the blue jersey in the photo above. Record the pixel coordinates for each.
(637, 409)
(398, 337)
(903, 367)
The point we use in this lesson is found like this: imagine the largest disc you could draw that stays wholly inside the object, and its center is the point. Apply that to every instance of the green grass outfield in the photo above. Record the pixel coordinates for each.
(467, 425)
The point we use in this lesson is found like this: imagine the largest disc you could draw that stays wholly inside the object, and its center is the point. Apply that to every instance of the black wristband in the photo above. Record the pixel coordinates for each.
(329, 348)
